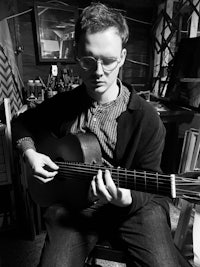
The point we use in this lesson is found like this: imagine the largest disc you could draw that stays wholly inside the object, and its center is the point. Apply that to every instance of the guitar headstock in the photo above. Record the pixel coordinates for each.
(192, 198)
(191, 174)
(188, 186)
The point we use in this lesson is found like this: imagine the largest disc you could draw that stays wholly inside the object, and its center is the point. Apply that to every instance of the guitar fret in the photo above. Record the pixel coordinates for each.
(145, 181)
(134, 175)
(157, 182)
(132, 179)
(126, 182)
(140, 181)
(118, 185)
(173, 186)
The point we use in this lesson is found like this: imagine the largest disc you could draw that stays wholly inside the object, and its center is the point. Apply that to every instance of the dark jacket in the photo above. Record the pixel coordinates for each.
(140, 133)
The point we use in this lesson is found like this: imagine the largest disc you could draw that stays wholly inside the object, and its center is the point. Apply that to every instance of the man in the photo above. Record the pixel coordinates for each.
(131, 135)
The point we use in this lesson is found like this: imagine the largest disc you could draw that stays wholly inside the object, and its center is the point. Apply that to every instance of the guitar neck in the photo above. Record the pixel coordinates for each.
(134, 180)
(171, 185)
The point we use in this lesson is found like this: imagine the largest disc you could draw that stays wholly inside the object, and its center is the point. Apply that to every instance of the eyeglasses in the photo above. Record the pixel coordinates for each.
(108, 63)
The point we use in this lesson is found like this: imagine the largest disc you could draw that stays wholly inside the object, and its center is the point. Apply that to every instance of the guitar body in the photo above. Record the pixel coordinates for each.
(69, 191)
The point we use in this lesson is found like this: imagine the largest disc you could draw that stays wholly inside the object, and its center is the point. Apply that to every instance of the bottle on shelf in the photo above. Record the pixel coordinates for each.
(39, 91)
(30, 94)
(30, 90)
(51, 83)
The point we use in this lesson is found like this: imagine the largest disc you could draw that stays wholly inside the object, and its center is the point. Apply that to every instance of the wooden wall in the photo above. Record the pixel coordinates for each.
(139, 46)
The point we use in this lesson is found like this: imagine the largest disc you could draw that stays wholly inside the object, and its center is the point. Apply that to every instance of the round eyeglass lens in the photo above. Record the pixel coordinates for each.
(87, 62)
(108, 64)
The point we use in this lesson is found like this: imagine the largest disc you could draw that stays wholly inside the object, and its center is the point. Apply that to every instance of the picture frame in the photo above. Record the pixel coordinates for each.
(55, 26)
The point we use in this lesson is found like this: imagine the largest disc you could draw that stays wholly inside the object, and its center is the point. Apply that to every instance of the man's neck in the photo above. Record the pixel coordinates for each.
(109, 95)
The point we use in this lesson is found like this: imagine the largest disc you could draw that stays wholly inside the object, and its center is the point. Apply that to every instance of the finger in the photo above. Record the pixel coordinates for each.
(92, 191)
(100, 186)
(110, 185)
(51, 164)
(93, 186)
(43, 180)
(42, 173)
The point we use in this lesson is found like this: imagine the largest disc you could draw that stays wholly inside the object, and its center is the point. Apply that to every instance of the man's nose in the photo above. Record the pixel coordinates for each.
(99, 68)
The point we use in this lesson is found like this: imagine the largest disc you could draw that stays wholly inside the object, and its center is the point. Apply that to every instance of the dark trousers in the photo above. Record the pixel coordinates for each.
(144, 236)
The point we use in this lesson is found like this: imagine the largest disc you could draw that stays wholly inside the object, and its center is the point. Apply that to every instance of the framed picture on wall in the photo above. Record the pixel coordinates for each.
(55, 25)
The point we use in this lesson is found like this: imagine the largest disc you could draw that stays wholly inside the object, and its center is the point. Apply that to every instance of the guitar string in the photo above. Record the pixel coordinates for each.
(187, 182)
(85, 173)
(125, 182)
(89, 167)
(162, 190)
(141, 181)
(94, 169)
(128, 173)
(130, 183)
(119, 171)
(138, 185)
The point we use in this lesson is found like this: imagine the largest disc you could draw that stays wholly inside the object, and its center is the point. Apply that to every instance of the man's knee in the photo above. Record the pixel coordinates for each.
(56, 214)
(157, 213)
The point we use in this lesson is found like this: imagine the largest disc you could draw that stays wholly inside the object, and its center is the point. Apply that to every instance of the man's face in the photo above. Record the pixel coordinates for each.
(106, 46)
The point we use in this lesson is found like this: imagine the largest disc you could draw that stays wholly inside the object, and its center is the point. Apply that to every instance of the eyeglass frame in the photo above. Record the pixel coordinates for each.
(100, 61)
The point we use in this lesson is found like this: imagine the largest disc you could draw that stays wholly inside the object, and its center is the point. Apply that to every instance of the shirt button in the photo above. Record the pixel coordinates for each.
(94, 119)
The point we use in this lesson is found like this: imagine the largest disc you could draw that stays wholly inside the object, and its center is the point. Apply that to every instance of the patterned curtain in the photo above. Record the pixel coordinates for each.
(10, 81)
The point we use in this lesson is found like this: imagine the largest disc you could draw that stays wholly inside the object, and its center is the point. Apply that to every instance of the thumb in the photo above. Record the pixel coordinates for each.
(51, 164)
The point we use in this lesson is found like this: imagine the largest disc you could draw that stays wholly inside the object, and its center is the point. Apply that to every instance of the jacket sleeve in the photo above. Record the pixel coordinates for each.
(151, 144)
(149, 155)
(145, 134)
(47, 116)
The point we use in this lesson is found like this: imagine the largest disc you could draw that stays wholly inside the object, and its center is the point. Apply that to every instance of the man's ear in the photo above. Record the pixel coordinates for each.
(123, 56)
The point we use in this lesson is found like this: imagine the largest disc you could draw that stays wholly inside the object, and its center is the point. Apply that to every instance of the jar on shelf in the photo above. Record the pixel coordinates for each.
(39, 91)
(30, 90)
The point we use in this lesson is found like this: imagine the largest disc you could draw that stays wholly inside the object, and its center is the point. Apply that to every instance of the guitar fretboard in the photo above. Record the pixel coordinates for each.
(135, 180)
(155, 183)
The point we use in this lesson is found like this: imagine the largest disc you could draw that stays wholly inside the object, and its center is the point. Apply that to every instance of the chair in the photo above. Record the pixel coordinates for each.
(104, 251)
(5, 118)
(188, 162)
(32, 214)
(7, 202)
(189, 211)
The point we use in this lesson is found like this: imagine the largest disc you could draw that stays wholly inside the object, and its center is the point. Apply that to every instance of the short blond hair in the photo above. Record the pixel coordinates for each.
(98, 17)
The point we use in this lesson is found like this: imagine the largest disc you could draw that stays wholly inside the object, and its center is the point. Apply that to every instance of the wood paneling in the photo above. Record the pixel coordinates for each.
(139, 45)
(6, 8)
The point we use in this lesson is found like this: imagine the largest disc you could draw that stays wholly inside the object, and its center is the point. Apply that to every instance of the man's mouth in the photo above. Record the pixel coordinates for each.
(98, 82)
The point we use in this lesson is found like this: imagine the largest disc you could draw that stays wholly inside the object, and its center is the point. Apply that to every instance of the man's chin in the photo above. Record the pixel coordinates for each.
(96, 87)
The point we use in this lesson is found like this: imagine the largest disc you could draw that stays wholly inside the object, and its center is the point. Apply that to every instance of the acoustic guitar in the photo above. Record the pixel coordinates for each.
(79, 159)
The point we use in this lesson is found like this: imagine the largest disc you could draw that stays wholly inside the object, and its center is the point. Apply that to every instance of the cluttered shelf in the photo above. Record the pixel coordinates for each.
(172, 112)
(173, 117)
